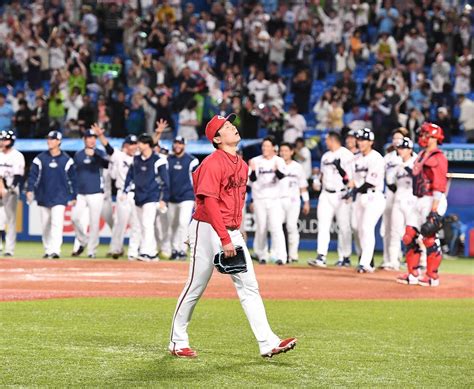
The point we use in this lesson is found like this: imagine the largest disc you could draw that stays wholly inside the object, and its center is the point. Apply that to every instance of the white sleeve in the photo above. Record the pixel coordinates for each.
(303, 182)
(19, 166)
(376, 172)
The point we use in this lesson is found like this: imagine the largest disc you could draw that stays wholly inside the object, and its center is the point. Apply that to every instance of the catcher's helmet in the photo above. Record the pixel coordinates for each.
(429, 130)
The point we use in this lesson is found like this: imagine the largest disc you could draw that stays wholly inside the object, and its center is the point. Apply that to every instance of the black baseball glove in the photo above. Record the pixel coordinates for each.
(433, 223)
(231, 265)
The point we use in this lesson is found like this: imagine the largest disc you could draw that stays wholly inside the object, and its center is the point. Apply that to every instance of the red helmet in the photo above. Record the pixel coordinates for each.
(429, 130)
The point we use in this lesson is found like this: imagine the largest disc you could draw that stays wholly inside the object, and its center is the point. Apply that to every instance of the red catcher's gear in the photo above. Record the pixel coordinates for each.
(413, 250)
(433, 256)
(430, 130)
(429, 173)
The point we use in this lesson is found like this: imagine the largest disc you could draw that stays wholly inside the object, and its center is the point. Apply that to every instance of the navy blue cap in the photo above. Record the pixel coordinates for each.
(131, 140)
(55, 135)
(180, 139)
(90, 132)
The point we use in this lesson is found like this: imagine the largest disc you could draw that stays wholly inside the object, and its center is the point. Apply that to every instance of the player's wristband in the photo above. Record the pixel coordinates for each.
(305, 196)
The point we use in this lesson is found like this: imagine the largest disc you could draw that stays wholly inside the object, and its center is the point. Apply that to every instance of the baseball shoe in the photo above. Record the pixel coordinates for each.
(407, 279)
(132, 258)
(293, 260)
(254, 257)
(117, 255)
(320, 261)
(174, 255)
(145, 257)
(184, 353)
(182, 256)
(262, 261)
(363, 269)
(78, 252)
(428, 281)
(346, 262)
(46, 256)
(91, 256)
(54, 256)
(279, 262)
(8, 255)
(284, 346)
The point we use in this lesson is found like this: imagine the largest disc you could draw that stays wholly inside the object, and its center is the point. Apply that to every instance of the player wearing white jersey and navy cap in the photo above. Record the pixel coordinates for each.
(266, 172)
(392, 162)
(292, 186)
(403, 202)
(12, 170)
(368, 184)
(89, 163)
(125, 212)
(52, 182)
(336, 174)
(148, 174)
(180, 207)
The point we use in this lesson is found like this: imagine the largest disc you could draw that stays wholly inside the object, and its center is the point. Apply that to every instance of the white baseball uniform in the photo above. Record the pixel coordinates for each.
(12, 163)
(107, 209)
(403, 205)
(268, 209)
(392, 162)
(126, 213)
(331, 204)
(368, 206)
(290, 187)
(162, 228)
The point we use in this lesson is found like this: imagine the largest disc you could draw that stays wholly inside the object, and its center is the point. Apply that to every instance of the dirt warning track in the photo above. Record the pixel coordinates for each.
(44, 279)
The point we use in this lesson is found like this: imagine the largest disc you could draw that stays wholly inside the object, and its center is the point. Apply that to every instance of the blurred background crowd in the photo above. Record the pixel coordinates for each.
(292, 69)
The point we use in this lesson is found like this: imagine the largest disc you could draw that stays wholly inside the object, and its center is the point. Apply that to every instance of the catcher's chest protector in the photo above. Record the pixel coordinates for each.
(423, 172)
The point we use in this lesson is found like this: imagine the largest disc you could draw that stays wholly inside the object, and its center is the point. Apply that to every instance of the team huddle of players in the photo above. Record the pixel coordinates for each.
(155, 198)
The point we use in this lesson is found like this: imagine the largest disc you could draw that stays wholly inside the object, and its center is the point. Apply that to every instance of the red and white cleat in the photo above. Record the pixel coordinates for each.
(284, 346)
(184, 353)
(428, 281)
(407, 279)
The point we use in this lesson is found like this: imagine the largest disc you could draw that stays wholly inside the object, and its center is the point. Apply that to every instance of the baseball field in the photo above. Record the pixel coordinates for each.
(105, 323)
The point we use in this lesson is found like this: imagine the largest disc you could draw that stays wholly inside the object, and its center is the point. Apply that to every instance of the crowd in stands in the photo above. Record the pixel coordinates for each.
(287, 68)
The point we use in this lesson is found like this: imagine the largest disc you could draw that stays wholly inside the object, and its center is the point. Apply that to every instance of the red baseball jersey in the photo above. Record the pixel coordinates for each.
(429, 173)
(224, 177)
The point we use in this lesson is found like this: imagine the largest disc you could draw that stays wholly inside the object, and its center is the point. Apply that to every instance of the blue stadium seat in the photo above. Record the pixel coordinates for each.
(262, 132)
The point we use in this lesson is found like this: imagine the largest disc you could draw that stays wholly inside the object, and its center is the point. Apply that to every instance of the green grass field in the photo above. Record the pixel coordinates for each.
(105, 342)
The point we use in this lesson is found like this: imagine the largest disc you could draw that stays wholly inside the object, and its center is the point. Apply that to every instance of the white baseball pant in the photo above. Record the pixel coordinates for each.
(369, 208)
(179, 216)
(330, 205)
(291, 212)
(269, 217)
(386, 227)
(3, 219)
(10, 203)
(162, 233)
(108, 212)
(52, 220)
(125, 214)
(204, 244)
(402, 208)
(92, 202)
(354, 223)
(147, 216)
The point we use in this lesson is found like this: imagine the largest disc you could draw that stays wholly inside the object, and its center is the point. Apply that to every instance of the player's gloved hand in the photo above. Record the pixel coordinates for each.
(434, 222)
(229, 250)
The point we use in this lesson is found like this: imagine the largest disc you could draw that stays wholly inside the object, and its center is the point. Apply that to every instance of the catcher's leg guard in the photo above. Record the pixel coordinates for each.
(433, 256)
(413, 250)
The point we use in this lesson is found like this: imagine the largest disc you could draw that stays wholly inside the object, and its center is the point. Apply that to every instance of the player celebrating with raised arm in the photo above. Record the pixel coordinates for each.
(335, 171)
(368, 183)
(149, 175)
(429, 187)
(292, 186)
(12, 170)
(219, 185)
(52, 182)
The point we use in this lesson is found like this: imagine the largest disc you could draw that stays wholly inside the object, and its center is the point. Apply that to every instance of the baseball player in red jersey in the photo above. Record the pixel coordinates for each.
(429, 186)
(219, 185)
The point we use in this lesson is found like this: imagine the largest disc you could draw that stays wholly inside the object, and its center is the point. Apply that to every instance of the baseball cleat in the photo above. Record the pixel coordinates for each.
(117, 255)
(145, 257)
(279, 262)
(132, 258)
(363, 269)
(78, 252)
(428, 281)
(184, 353)
(320, 261)
(182, 256)
(91, 256)
(284, 346)
(174, 255)
(407, 279)
(262, 261)
(46, 256)
(54, 256)
(8, 255)
(346, 262)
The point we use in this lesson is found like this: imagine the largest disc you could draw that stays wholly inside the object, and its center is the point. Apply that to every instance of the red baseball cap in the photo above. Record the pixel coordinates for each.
(216, 123)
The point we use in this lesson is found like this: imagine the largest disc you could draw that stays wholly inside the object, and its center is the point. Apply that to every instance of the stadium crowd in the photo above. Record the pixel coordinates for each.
(289, 69)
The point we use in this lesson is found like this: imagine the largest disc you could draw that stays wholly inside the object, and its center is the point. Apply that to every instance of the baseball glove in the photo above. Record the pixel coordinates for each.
(231, 265)
(433, 224)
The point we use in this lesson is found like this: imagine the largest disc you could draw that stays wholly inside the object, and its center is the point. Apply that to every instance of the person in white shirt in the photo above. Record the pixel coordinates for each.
(367, 183)
(12, 170)
(293, 186)
(336, 165)
(303, 156)
(295, 125)
(321, 110)
(259, 87)
(266, 171)
(466, 117)
(403, 203)
(188, 121)
(392, 161)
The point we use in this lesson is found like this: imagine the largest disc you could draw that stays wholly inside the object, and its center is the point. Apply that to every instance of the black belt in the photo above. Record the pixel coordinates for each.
(232, 228)
(335, 191)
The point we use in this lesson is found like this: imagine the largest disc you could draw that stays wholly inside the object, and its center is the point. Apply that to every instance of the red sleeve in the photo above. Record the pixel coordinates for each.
(217, 222)
(208, 180)
(440, 181)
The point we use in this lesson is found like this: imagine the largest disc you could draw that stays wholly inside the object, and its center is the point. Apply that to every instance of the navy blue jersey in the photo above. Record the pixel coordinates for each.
(52, 179)
(89, 171)
(181, 181)
(150, 179)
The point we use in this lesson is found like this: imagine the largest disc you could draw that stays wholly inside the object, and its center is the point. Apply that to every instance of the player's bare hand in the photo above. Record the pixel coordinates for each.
(306, 208)
(97, 130)
(161, 126)
(251, 208)
(229, 250)
(29, 197)
(72, 203)
(89, 152)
